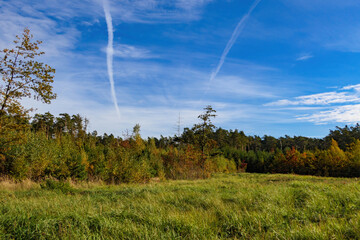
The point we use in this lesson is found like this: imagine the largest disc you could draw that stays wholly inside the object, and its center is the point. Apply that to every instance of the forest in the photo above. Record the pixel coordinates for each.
(60, 147)
(46, 146)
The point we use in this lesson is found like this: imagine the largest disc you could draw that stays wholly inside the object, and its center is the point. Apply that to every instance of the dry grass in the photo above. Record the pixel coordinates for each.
(11, 185)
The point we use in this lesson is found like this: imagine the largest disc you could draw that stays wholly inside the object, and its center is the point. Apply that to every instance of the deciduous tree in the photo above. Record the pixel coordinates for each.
(21, 76)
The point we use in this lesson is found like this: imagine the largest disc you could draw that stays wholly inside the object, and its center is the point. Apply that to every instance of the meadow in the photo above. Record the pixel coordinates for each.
(225, 206)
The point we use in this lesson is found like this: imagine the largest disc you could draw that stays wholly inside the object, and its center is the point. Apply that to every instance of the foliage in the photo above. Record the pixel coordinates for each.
(203, 129)
(73, 153)
(60, 147)
(21, 76)
(54, 185)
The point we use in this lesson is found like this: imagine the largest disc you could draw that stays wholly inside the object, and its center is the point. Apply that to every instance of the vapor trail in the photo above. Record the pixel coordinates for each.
(234, 36)
(110, 53)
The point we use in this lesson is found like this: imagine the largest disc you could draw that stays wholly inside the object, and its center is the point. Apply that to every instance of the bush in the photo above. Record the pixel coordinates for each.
(54, 185)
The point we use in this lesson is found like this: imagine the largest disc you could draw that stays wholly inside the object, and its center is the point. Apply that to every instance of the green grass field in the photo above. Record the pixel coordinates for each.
(238, 206)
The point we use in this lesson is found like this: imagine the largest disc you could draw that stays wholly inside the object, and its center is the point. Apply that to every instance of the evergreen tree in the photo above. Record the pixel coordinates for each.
(205, 127)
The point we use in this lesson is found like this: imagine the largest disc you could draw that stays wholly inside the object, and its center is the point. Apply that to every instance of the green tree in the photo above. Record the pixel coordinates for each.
(43, 122)
(205, 127)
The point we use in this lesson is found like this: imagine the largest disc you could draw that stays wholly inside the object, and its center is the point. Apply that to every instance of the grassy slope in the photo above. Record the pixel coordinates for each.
(250, 206)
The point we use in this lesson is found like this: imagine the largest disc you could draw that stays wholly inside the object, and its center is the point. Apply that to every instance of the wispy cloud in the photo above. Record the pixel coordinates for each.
(153, 11)
(327, 98)
(342, 114)
(110, 53)
(234, 36)
(340, 106)
(57, 38)
(129, 51)
(350, 87)
(304, 57)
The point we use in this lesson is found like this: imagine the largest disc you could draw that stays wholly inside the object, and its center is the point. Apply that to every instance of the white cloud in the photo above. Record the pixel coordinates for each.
(337, 106)
(129, 51)
(57, 39)
(326, 98)
(110, 54)
(342, 114)
(49, 23)
(155, 107)
(304, 57)
(356, 87)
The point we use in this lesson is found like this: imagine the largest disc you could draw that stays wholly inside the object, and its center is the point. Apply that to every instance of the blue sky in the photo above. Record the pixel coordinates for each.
(292, 67)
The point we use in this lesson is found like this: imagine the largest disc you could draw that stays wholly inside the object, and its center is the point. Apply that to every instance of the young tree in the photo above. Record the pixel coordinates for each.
(21, 76)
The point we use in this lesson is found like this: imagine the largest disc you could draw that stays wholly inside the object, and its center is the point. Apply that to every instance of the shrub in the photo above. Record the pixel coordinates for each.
(61, 186)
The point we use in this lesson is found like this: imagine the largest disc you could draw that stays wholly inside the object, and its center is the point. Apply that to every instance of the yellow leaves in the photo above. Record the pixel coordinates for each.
(25, 78)
(354, 152)
(337, 155)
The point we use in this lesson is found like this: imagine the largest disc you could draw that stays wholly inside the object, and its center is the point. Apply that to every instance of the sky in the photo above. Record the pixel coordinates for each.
(269, 67)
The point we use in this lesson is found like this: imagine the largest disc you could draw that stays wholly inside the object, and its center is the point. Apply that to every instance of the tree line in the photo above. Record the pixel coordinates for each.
(61, 146)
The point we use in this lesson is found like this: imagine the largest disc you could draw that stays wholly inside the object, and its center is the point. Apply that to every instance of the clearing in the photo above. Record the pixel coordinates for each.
(247, 206)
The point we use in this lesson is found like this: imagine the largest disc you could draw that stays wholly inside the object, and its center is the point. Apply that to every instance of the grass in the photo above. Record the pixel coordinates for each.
(238, 206)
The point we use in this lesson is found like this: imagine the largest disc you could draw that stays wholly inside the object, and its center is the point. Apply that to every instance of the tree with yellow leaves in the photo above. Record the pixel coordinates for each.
(21, 76)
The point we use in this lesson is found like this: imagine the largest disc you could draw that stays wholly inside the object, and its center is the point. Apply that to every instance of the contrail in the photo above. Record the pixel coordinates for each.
(110, 53)
(232, 40)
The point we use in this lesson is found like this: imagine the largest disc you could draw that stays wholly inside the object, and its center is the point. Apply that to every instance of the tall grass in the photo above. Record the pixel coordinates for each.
(235, 206)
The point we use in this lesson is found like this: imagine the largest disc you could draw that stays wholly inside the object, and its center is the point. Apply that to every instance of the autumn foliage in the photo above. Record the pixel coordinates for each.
(73, 153)
(60, 147)
(45, 146)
